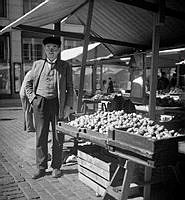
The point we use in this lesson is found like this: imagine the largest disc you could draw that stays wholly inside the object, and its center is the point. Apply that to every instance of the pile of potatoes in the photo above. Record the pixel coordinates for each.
(102, 122)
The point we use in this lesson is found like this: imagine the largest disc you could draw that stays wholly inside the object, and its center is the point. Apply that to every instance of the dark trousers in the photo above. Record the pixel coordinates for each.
(28, 115)
(45, 111)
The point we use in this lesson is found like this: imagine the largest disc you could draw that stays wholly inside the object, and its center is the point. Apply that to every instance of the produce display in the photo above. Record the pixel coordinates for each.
(99, 97)
(133, 123)
(176, 91)
(167, 101)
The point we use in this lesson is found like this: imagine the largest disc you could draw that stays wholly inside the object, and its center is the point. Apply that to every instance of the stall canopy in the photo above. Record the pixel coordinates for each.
(76, 51)
(123, 26)
(48, 12)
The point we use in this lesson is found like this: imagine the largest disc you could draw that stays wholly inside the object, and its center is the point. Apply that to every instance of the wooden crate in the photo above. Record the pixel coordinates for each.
(87, 134)
(96, 167)
(159, 152)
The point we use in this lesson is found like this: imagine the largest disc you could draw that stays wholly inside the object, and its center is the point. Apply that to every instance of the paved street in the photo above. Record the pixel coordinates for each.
(17, 164)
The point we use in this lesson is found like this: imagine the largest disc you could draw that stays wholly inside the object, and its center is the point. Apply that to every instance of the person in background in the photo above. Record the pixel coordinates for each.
(104, 88)
(50, 91)
(110, 88)
(163, 83)
(173, 81)
(27, 108)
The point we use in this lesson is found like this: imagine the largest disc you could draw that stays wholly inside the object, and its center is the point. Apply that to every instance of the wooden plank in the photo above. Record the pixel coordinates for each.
(134, 191)
(92, 136)
(116, 145)
(97, 188)
(95, 161)
(110, 191)
(103, 173)
(79, 36)
(130, 166)
(181, 147)
(134, 140)
(95, 177)
(94, 133)
(66, 129)
(133, 158)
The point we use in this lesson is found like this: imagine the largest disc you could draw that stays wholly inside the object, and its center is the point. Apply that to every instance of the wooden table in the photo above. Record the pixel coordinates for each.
(132, 150)
(87, 102)
(95, 104)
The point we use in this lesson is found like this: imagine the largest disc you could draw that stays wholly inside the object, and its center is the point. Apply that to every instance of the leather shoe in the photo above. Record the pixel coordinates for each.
(39, 174)
(56, 173)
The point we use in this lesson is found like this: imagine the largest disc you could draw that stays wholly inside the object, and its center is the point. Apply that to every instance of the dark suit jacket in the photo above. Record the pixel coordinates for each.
(64, 83)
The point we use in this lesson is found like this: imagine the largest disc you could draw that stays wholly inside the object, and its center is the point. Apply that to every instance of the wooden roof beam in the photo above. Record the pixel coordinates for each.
(154, 7)
(80, 36)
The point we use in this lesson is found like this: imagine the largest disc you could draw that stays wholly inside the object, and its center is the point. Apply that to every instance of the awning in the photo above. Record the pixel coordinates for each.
(74, 52)
(124, 26)
(48, 12)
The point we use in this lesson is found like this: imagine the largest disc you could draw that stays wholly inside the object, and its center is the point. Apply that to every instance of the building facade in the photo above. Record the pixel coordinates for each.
(19, 49)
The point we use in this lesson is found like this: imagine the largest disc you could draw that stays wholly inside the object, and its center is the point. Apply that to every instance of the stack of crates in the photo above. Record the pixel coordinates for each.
(96, 167)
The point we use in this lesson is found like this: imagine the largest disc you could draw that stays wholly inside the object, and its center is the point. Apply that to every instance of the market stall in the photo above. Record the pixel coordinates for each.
(138, 140)
(133, 33)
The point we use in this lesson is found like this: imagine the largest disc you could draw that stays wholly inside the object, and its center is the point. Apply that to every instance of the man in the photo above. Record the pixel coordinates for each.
(27, 108)
(163, 82)
(110, 88)
(50, 90)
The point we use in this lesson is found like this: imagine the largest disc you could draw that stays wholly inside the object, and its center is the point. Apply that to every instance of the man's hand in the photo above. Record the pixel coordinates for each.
(67, 111)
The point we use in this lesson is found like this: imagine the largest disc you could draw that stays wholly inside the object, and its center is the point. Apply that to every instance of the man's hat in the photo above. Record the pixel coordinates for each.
(52, 40)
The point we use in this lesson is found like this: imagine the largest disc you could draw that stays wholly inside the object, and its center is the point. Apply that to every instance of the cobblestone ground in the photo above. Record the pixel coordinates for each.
(9, 188)
(17, 164)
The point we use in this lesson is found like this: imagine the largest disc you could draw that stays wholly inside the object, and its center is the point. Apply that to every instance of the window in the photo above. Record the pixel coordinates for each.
(4, 50)
(37, 51)
(4, 65)
(32, 49)
(3, 9)
(27, 52)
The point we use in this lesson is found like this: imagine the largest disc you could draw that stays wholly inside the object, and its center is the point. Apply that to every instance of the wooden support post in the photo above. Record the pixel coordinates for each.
(129, 170)
(147, 179)
(125, 172)
(101, 77)
(57, 27)
(144, 79)
(84, 58)
(159, 20)
(94, 69)
(154, 69)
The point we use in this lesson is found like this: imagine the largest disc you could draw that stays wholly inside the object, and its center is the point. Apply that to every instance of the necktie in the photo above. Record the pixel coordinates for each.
(51, 63)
